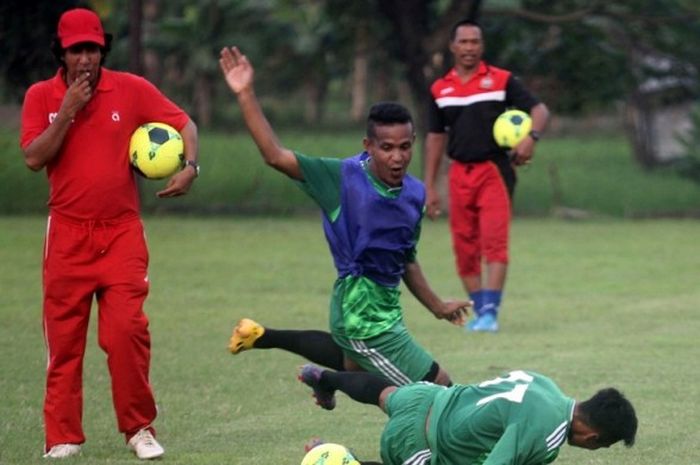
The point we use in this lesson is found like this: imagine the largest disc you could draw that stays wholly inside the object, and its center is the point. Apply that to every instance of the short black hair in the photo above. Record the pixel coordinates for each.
(458, 24)
(387, 113)
(611, 415)
(58, 51)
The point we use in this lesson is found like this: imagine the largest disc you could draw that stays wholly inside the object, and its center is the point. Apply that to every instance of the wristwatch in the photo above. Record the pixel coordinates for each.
(535, 135)
(194, 165)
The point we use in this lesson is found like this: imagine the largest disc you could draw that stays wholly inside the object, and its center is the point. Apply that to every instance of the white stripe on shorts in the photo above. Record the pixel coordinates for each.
(421, 457)
(381, 363)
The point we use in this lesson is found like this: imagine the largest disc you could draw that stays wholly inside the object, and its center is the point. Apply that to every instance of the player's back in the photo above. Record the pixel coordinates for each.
(520, 418)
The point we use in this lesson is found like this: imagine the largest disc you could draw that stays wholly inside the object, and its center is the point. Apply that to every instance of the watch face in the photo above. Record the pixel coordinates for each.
(194, 165)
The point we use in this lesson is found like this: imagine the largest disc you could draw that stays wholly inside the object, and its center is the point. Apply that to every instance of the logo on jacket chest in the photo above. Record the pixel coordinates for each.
(486, 83)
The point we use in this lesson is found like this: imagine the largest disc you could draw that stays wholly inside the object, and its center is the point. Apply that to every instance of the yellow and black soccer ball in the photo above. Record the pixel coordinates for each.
(329, 454)
(511, 127)
(156, 150)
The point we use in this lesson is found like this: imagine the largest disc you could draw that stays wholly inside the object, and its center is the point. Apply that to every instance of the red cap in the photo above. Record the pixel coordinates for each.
(80, 25)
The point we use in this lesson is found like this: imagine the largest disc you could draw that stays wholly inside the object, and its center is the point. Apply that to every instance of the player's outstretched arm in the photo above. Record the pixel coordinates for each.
(239, 75)
(453, 311)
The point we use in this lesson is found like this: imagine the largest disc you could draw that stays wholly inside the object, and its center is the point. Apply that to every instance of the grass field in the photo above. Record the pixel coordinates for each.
(595, 174)
(591, 304)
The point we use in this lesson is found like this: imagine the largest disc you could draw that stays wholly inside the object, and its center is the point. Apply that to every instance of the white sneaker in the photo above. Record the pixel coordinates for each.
(61, 451)
(145, 445)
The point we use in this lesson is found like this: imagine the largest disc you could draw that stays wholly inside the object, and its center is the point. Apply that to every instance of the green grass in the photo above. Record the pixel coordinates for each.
(595, 174)
(592, 304)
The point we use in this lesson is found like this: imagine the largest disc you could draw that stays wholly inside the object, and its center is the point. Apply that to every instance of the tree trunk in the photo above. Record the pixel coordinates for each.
(315, 90)
(421, 48)
(203, 100)
(360, 72)
(152, 64)
(135, 42)
(420, 42)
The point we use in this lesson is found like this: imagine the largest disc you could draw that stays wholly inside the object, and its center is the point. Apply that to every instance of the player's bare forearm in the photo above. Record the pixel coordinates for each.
(180, 183)
(434, 148)
(239, 75)
(523, 152)
(274, 154)
(417, 284)
(540, 117)
(190, 139)
(46, 146)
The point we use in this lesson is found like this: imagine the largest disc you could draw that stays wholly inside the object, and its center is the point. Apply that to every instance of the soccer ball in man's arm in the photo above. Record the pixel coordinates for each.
(511, 127)
(156, 151)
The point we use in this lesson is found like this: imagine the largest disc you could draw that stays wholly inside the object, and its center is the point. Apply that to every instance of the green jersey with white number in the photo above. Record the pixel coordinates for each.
(522, 418)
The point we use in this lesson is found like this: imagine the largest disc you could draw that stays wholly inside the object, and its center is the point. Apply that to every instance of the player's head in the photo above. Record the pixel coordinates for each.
(387, 114)
(462, 23)
(466, 44)
(603, 420)
(80, 29)
(389, 141)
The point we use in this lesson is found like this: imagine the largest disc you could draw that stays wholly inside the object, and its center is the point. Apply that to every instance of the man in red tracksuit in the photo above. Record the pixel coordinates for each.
(77, 125)
(466, 103)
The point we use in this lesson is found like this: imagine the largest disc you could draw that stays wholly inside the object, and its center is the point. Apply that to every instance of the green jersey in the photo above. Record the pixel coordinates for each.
(360, 307)
(519, 419)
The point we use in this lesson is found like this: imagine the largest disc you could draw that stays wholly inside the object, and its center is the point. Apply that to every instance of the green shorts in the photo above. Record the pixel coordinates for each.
(393, 354)
(404, 439)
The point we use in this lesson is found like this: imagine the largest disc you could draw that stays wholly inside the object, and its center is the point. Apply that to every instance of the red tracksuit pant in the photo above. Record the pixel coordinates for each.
(479, 215)
(107, 261)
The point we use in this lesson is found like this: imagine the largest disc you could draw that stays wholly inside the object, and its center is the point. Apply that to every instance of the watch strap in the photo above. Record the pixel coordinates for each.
(194, 165)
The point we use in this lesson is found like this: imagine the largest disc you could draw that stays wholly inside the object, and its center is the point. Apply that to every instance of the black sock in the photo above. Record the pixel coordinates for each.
(359, 385)
(316, 346)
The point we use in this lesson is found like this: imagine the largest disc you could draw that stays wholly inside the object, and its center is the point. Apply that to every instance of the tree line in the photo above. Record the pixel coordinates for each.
(321, 58)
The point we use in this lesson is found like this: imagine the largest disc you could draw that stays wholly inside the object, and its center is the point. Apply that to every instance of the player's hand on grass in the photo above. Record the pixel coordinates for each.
(455, 311)
(237, 70)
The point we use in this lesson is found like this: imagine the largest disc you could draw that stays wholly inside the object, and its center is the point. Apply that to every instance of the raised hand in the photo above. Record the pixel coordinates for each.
(237, 70)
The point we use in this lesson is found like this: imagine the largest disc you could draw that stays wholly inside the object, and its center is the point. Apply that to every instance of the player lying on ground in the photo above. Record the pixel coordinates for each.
(372, 212)
(522, 418)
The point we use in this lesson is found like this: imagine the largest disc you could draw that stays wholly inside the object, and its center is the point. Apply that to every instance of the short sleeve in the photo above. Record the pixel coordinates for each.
(518, 96)
(321, 182)
(159, 107)
(34, 120)
(436, 121)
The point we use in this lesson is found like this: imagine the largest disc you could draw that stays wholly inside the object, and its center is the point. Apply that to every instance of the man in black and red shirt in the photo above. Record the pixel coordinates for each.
(466, 103)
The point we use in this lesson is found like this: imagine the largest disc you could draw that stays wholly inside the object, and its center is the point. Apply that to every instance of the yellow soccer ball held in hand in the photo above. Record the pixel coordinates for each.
(156, 150)
(511, 127)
